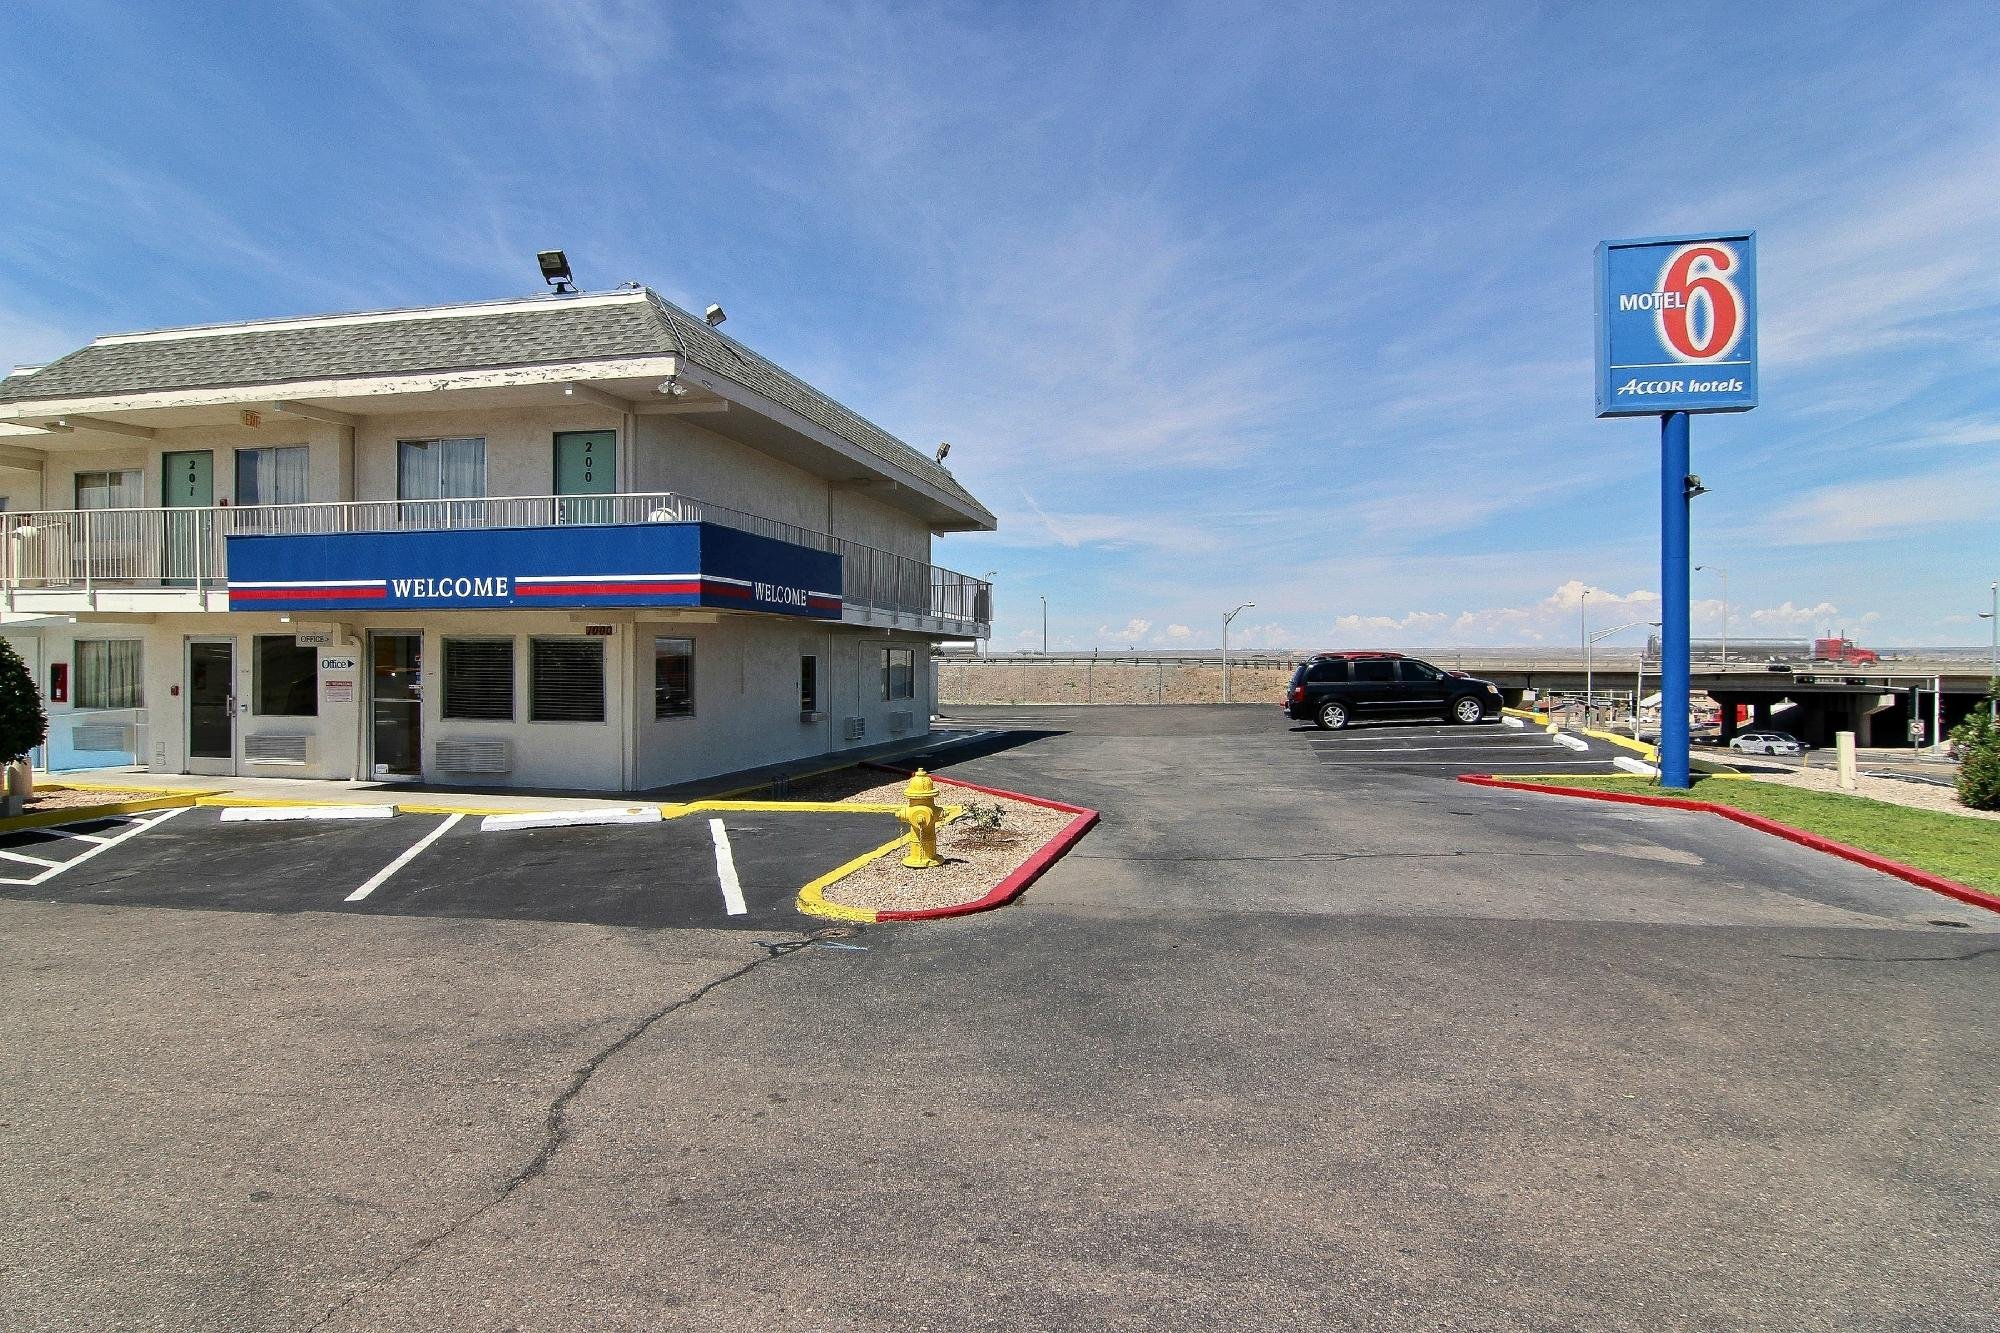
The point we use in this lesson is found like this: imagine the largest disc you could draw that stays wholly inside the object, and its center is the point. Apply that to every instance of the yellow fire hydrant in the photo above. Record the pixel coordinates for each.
(921, 814)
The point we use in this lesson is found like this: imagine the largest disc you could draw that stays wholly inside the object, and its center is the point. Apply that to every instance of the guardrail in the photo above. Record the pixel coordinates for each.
(90, 549)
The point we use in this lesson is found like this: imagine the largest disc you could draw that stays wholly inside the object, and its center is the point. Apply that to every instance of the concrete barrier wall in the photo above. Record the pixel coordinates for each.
(1106, 683)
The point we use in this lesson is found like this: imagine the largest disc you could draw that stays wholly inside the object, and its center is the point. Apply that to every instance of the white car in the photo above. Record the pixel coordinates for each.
(1766, 742)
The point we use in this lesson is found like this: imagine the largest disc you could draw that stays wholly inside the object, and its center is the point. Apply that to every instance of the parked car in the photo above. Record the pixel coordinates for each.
(1333, 690)
(1766, 742)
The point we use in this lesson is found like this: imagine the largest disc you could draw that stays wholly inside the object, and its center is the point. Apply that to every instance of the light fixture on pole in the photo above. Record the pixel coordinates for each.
(1725, 609)
(1045, 626)
(1225, 646)
(1639, 681)
(1993, 663)
(1583, 637)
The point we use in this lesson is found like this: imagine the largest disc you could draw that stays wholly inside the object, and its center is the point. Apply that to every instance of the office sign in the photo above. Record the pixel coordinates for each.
(554, 568)
(1677, 324)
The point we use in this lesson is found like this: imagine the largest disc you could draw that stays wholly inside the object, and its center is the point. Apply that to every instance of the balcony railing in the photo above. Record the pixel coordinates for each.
(87, 550)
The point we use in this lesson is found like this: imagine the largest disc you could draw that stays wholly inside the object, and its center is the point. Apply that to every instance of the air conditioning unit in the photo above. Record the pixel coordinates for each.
(101, 736)
(475, 754)
(899, 723)
(854, 728)
(289, 749)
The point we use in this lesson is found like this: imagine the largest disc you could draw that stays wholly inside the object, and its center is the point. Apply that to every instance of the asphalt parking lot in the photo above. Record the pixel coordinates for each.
(1282, 1044)
(738, 869)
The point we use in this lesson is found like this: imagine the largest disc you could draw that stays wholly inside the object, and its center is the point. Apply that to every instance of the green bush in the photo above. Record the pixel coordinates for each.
(23, 725)
(1978, 745)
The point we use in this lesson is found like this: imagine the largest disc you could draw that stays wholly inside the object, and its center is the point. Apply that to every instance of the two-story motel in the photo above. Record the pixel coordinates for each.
(580, 541)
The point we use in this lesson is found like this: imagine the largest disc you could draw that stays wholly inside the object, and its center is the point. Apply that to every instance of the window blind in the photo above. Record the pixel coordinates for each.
(479, 679)
(275, 476)
(566, 680)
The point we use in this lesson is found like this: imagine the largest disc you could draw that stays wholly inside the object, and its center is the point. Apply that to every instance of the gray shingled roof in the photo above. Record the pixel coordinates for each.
(552, 333)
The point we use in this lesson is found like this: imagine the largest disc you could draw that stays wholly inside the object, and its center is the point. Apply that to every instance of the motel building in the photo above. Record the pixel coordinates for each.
(581, 540)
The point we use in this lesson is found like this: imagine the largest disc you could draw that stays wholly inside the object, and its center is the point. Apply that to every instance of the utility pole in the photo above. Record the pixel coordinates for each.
(1045, 627)
(1225, 646)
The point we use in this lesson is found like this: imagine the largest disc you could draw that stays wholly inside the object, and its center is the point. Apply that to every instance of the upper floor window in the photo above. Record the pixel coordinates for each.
(452, 468)
(275, 476)
(109, 490)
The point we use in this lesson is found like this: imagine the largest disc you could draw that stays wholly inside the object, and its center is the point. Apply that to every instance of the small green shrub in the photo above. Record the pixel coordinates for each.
(1978, 744)
(983, 814)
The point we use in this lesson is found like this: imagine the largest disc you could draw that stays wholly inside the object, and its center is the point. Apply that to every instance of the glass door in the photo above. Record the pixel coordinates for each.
(211, 706)
(586, 465)
(396, 702)
(187, 482)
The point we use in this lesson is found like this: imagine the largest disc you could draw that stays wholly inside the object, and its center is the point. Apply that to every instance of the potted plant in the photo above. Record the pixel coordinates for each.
(23, 726)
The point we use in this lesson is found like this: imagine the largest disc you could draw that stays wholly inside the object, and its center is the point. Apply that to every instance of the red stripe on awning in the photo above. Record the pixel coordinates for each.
(304, 594)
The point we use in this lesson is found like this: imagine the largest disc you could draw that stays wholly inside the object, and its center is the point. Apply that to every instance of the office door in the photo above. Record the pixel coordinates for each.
(396, 702)
(211, 706)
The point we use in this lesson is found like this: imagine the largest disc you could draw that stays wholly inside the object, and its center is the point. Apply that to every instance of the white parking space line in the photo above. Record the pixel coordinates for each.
(138, 826)
(31, 860)
(1530, 764)
(725, 869)
(1420, 749)
(80, 837)
(382, 875)
(286, 814)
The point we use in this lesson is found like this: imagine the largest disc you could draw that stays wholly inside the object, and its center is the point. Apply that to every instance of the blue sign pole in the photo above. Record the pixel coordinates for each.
(1674, 501)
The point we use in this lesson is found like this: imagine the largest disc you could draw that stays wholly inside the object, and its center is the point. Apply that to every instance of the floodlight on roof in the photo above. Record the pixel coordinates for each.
(555, 270)
(714, 315)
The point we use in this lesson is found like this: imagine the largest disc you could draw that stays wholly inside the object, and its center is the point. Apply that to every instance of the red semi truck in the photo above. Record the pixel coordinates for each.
(1845, 651)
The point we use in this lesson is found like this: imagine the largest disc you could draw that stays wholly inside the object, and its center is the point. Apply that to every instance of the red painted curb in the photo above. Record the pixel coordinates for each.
(1010, 888)
(1924, 879)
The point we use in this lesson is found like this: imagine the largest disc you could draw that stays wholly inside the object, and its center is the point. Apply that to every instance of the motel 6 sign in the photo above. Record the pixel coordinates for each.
(1677, 325)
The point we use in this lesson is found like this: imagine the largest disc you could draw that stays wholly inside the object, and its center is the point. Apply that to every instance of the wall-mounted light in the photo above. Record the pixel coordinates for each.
(673, 388)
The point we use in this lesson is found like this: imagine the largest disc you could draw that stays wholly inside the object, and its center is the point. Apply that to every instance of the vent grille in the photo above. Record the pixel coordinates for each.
(899, 723)
(473, 754)
(277, 749)
(101, 736)
(854, 728)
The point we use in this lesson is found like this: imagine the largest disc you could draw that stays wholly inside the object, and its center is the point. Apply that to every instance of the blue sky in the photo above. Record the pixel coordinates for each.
(1293, 307)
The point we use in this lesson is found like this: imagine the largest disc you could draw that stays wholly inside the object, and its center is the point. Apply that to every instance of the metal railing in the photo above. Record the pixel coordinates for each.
(90, 549)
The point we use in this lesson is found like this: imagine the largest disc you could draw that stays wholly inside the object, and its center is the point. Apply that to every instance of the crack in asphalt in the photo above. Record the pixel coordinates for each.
(555, 1124)
(1921, 958)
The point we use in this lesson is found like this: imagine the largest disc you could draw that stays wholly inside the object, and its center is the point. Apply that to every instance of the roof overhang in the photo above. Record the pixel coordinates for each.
(619, 384)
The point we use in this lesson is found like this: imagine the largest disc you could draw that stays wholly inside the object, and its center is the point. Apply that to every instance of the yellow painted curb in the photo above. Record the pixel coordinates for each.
(119, 786)
(83, 814)
(798, 807)
(812, 898)
(1650, 752)
(1541, 719)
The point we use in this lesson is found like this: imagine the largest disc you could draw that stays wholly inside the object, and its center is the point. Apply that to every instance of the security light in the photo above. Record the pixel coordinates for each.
(943, 450)
(714, 315)
(555, 270)
(1691, 486)
(673, 388)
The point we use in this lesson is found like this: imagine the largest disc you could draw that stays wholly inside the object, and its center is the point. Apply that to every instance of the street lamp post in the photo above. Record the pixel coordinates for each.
(1225, 646)
(1583, 633)
(1045, 627)
(1725, 610)
(1638, 681)
(1993, 662)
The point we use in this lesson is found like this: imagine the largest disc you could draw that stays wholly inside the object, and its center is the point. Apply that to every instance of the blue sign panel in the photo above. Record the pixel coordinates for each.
(1677, 325)
(555, 568)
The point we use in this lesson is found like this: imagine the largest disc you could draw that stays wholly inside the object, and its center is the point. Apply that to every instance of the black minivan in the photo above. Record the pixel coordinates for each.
(1335, 689)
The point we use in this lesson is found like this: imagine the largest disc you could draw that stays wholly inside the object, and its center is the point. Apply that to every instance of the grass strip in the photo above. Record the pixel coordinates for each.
(1955, 846)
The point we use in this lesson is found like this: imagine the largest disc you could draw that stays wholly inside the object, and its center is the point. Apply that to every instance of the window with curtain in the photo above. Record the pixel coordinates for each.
(109, 490)
(566, 680)
(443, 469)
(109, 673)
(479, 680)
(285, 677)
(673, 678)
(899, 673)
(271, 476)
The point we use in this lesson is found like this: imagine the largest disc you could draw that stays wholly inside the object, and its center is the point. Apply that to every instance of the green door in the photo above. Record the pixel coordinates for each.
(187, 481)
(586, 464)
